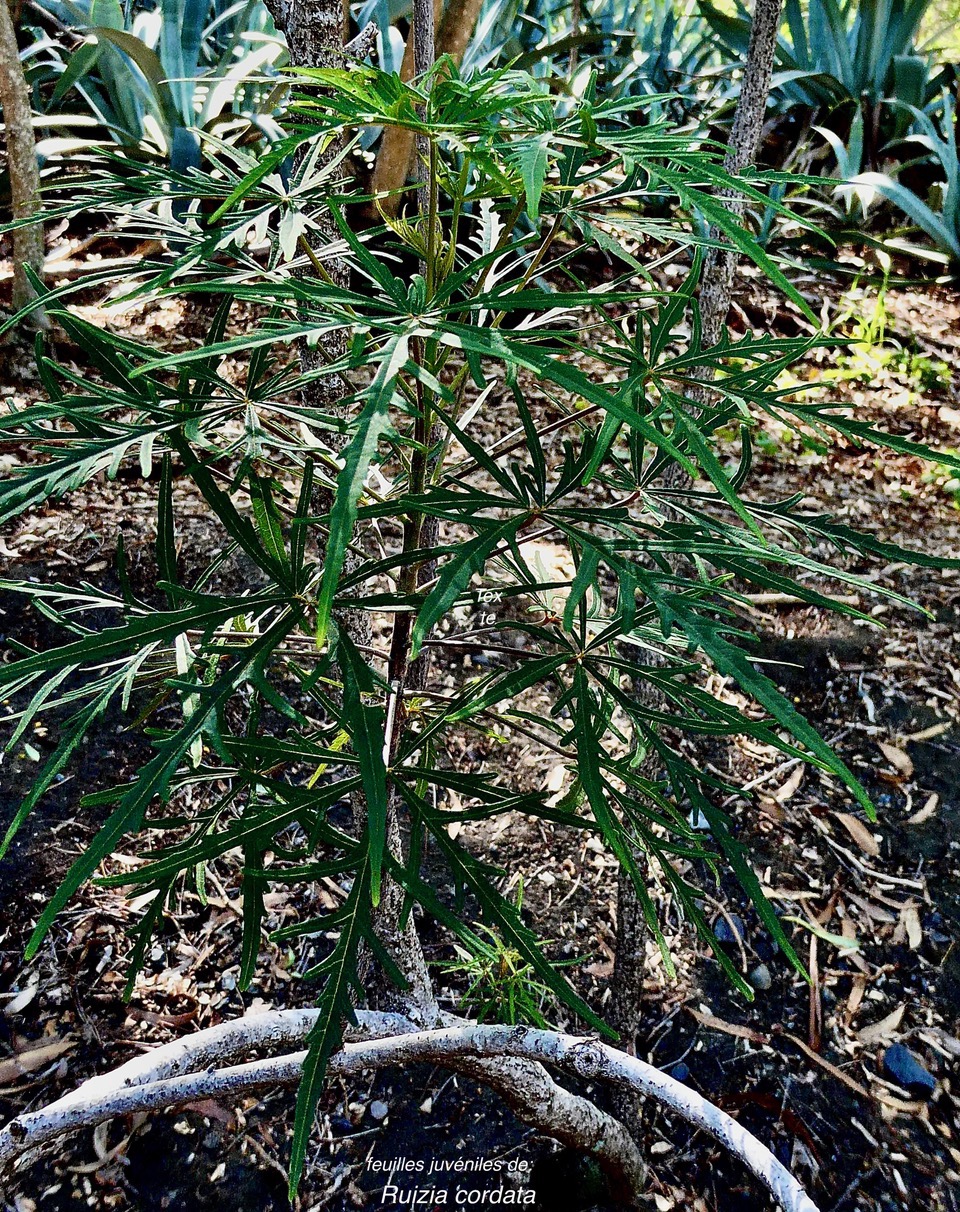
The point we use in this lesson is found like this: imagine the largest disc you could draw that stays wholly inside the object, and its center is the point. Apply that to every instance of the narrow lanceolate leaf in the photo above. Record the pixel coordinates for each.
(373, 421)
(736, 855)
(455, 577)
(72, 733)
(531, 157)
(365, 723)
(253, 912)
(341, 982)
(847, 538)
(706, 634)
(137, 633)
(142, 932)
(584, 581)
(711, 466)
(154, 779)
(268, 164)
(508, 686)
(298, 533)
(236, 525)
(83, 457)
(166, 545)
(267, 517)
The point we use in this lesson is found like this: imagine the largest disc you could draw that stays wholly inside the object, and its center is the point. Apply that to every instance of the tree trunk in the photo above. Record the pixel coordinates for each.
(715, 291)
(395, 157)
(24, 173)
(456, 28)
(314, 30)
(720, 266)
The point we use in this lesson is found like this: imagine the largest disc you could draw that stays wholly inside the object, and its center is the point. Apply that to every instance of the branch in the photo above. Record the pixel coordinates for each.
(175, 1074)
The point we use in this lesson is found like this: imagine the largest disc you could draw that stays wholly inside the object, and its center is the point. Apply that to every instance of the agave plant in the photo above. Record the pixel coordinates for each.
(940, 221)
(156, 77)
(841, 55)
(661, 47)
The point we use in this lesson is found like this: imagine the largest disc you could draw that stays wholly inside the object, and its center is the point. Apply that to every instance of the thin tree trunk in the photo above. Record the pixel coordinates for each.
(424, 56)
(721, 264)
(454, 28)
(22, 165)
(715, 292)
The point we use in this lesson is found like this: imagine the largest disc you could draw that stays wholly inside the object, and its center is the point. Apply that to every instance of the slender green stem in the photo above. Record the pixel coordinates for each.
(408, 580)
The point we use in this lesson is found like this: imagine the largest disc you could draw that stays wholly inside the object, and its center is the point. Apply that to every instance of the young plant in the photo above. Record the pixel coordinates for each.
(501, 986)
(864, 320)
(385, 536)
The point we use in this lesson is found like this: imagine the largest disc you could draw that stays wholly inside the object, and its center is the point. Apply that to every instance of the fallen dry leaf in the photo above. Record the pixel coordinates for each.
(602, 969)
(873, 911)
(555, 778)
(911, 923)
(949, 416)
(212, 1110)
(860, 833)
(22, 998)
(719, 1024)
(898, 758)
(926, 812)
(554, 785)
(882, 1030)
(14, 1067)
(948, 1044)
(933, 731)
(857, 990)
(790, 787)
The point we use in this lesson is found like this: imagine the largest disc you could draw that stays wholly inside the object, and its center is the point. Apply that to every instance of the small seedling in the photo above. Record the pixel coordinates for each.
(502, 986)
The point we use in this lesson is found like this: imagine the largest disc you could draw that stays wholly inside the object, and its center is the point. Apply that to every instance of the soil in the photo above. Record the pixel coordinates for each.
(800, 1066)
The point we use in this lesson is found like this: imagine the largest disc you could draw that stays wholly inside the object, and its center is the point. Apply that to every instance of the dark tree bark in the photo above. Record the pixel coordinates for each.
(28, 251)
(314, 30)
